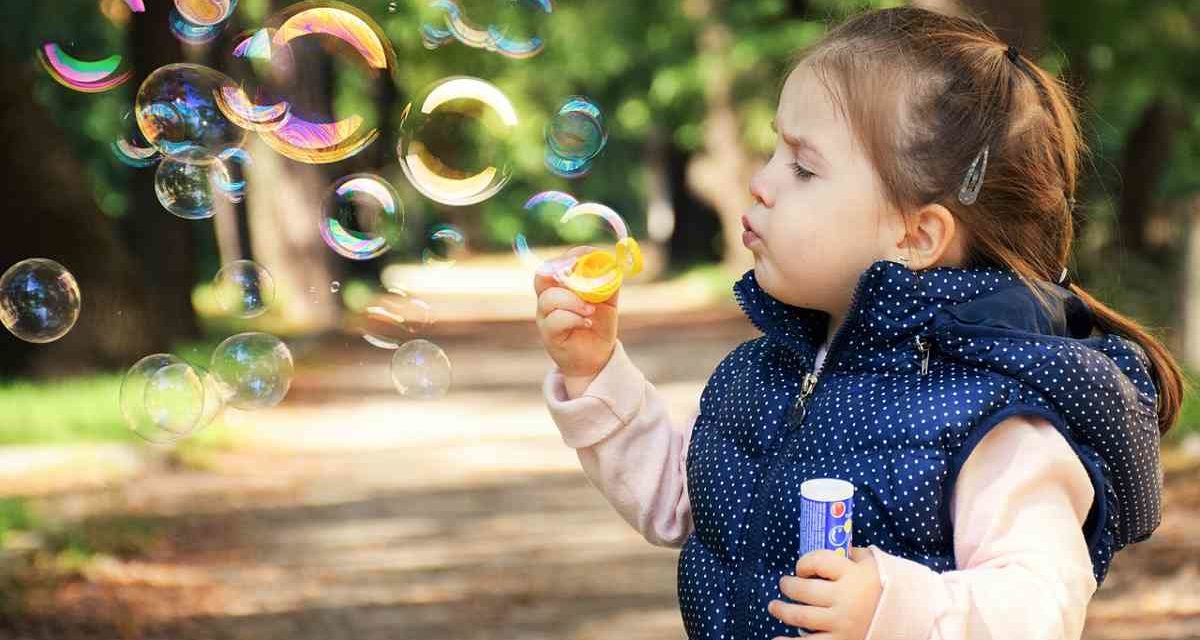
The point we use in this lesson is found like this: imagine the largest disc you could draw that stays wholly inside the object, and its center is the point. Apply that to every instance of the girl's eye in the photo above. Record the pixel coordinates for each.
(801, 172)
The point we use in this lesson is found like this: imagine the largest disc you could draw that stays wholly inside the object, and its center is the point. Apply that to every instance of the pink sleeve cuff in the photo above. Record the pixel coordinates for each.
(907, 605)
(611, 400)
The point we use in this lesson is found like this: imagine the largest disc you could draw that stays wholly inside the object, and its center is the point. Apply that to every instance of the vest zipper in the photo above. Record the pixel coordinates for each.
(799, 408)
(923, 350)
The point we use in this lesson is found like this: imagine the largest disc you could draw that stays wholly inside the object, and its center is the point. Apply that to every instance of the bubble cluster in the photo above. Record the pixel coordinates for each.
(420, 370)
(39, 300)
(362, 217)
(507, 34)
(244, 289)
(455, 141)
(253, 370)
(574, 136)
(176, 111)
(163, 398)
(89, 76)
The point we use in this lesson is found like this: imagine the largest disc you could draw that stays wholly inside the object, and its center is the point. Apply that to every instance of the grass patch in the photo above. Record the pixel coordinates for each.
(62, 411)
(14, 516)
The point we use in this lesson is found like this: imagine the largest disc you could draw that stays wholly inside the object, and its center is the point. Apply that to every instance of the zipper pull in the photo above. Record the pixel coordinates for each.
(806, 388)
(923, 349)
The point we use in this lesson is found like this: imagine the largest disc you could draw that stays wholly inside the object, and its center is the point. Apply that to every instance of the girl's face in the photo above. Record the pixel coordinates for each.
(819, 218)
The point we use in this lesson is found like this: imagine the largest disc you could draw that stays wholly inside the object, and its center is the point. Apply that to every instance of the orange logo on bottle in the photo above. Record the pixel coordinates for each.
(837, 509)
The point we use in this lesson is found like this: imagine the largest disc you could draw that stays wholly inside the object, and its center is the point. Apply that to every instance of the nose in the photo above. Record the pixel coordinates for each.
(759, 190)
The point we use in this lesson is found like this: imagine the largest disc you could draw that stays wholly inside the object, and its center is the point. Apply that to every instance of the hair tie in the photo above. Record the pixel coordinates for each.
(1064, 280)
(1012, 53)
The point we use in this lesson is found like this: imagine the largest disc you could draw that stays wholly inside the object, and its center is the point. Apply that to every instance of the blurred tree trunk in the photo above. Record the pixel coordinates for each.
(720, 174)
(49, 194)
(163, 242)
(1144, 158)
(284, 202)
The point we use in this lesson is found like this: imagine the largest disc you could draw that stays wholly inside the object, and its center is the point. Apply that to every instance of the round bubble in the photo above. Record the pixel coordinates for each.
(396, 312)
(188, 32)
(253, 370)
(205, 13)
(244, 289)
(230, 177)
(335, 286)
(324, 140)
(445, 246)
(362, 217)
(39, 300)
(257, 70)
(86, 75)
(546, 211)
(421, 370)
(186, 188)
(176, 111)
(575, 135)
(174, 398)
(163, 398)
(509, 31)
(455, 141)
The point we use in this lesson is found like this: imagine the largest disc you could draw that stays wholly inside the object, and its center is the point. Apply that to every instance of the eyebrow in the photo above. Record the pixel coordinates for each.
(799, 142)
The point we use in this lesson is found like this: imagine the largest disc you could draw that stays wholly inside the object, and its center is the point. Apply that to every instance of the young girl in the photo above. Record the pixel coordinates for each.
(921, 340)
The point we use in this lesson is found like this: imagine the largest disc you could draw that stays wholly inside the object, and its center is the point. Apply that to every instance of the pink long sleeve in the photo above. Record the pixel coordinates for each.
(628, 447)
(1018, 507)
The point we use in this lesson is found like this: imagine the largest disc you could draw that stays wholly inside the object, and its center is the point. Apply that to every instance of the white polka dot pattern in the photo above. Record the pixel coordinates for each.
(899, 428)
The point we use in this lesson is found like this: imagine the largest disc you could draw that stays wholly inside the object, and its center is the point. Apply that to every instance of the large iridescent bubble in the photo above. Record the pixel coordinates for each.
(455, 140)
(575, 135)
(177, 112)
(39, 300)
(319, 140)
(90, 75)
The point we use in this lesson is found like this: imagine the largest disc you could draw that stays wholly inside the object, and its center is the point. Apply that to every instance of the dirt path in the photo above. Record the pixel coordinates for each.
(349, 513)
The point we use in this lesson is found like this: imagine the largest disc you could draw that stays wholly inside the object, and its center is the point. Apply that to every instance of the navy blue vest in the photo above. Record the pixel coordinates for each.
(923, 366)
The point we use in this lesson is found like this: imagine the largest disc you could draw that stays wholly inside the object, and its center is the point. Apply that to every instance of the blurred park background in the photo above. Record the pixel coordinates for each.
(349, 511)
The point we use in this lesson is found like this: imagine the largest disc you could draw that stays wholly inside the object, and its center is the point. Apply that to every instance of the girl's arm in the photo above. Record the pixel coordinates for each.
(1018, 507)
(628, 447)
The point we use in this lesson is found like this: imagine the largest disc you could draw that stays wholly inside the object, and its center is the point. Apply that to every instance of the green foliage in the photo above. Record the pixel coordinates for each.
(62, 411)
(14, 516)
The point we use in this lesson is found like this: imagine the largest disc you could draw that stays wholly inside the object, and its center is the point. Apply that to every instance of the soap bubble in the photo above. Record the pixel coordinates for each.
(446, 245)
(421, 370)
(546, 209)
(510, 31)
(229, 178)
(362, 217)
(256, 70)
(575, 135)
(189, 32)
(313, 140)
(205, 13)
(335, 286)
(177, 112)
(164, 398)
(39, 300)
(89, 76)
(186, 188)
(253, 370)
(244, 289)
(394, 315)
(455, 141)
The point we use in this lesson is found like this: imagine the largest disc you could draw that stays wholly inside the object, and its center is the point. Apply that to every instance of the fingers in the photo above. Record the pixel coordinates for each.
(560, 322)
(823, 563)
(809, 591)
(799, 615)
(558, 298)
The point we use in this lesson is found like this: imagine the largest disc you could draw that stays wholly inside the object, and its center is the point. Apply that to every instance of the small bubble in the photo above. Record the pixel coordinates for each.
(335, 286)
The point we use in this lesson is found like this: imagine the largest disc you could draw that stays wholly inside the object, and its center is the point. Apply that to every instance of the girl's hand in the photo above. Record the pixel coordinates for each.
(838, 607)
(579, 336)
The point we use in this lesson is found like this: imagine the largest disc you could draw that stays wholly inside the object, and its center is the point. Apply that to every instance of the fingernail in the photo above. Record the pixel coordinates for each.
(589, 308)
(587, 322)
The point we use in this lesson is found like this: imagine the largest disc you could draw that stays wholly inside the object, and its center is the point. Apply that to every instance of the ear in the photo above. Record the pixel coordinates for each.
(933, 238)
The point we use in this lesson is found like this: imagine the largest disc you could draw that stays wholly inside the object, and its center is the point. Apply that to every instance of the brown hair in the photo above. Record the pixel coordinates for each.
(924, 93)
